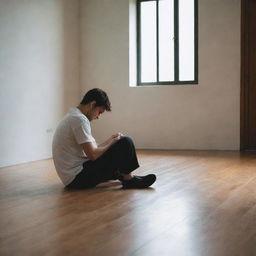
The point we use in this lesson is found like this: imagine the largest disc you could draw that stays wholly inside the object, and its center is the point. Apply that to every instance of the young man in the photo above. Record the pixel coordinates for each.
(80, 162)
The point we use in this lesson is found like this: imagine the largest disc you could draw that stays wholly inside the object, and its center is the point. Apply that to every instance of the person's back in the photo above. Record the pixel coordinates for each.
(68, 154)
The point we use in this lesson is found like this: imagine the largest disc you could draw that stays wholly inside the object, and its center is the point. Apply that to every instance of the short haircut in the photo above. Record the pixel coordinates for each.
(99, 96)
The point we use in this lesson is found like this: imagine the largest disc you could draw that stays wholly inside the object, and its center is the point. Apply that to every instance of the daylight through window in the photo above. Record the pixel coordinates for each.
(167, 42)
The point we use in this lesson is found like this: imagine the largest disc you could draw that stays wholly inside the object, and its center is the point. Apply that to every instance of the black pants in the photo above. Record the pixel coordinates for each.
(119, 159)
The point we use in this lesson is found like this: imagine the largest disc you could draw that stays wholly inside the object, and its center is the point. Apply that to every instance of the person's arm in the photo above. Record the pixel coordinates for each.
(110, 139)
(93, 151)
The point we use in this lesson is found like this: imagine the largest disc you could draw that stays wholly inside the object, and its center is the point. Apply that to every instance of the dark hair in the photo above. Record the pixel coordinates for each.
(99, 96)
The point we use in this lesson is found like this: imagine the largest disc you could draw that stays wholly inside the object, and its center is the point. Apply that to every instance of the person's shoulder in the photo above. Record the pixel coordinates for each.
(76, 117)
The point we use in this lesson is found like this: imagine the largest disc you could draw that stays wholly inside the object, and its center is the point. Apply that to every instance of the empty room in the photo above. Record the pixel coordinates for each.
(128, 127)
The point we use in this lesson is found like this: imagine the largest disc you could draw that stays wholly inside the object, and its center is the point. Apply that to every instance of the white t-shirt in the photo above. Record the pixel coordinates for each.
(67, 151)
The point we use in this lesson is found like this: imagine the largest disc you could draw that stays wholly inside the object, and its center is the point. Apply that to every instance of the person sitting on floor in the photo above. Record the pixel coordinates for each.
(80, 162)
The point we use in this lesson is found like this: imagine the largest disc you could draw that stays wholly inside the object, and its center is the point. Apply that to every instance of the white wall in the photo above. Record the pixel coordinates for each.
(39, 74)
(203, 116)
(39, 77)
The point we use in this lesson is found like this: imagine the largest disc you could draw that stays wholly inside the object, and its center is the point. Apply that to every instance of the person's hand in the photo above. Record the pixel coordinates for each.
(117, 136)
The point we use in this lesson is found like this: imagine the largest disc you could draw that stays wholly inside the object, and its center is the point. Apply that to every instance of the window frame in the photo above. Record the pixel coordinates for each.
(176, 46)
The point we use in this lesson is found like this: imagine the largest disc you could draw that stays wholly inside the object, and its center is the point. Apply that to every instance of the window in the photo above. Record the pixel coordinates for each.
(167, 42)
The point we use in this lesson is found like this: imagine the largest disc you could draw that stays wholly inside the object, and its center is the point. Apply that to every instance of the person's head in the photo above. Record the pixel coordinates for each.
(94, 103)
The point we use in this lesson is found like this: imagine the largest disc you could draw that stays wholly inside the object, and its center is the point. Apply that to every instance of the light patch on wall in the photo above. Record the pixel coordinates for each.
(132, 44)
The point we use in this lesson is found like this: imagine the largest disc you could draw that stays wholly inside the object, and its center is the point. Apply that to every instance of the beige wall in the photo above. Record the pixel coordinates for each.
(203, 116)
(49, 57)
(39, 74)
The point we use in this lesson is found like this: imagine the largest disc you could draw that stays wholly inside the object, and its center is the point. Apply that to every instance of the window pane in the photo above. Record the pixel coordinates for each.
(148, 41)
(186, 40)
(166, 40)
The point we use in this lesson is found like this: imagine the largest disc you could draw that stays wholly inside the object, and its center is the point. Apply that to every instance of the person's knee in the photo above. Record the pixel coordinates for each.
(126, 139)
(125, 142)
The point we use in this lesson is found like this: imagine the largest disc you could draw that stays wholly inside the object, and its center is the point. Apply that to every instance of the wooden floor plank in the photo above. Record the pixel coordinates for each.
(203, 203)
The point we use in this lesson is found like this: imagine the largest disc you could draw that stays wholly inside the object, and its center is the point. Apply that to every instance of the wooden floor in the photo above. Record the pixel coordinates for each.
(203, 203)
